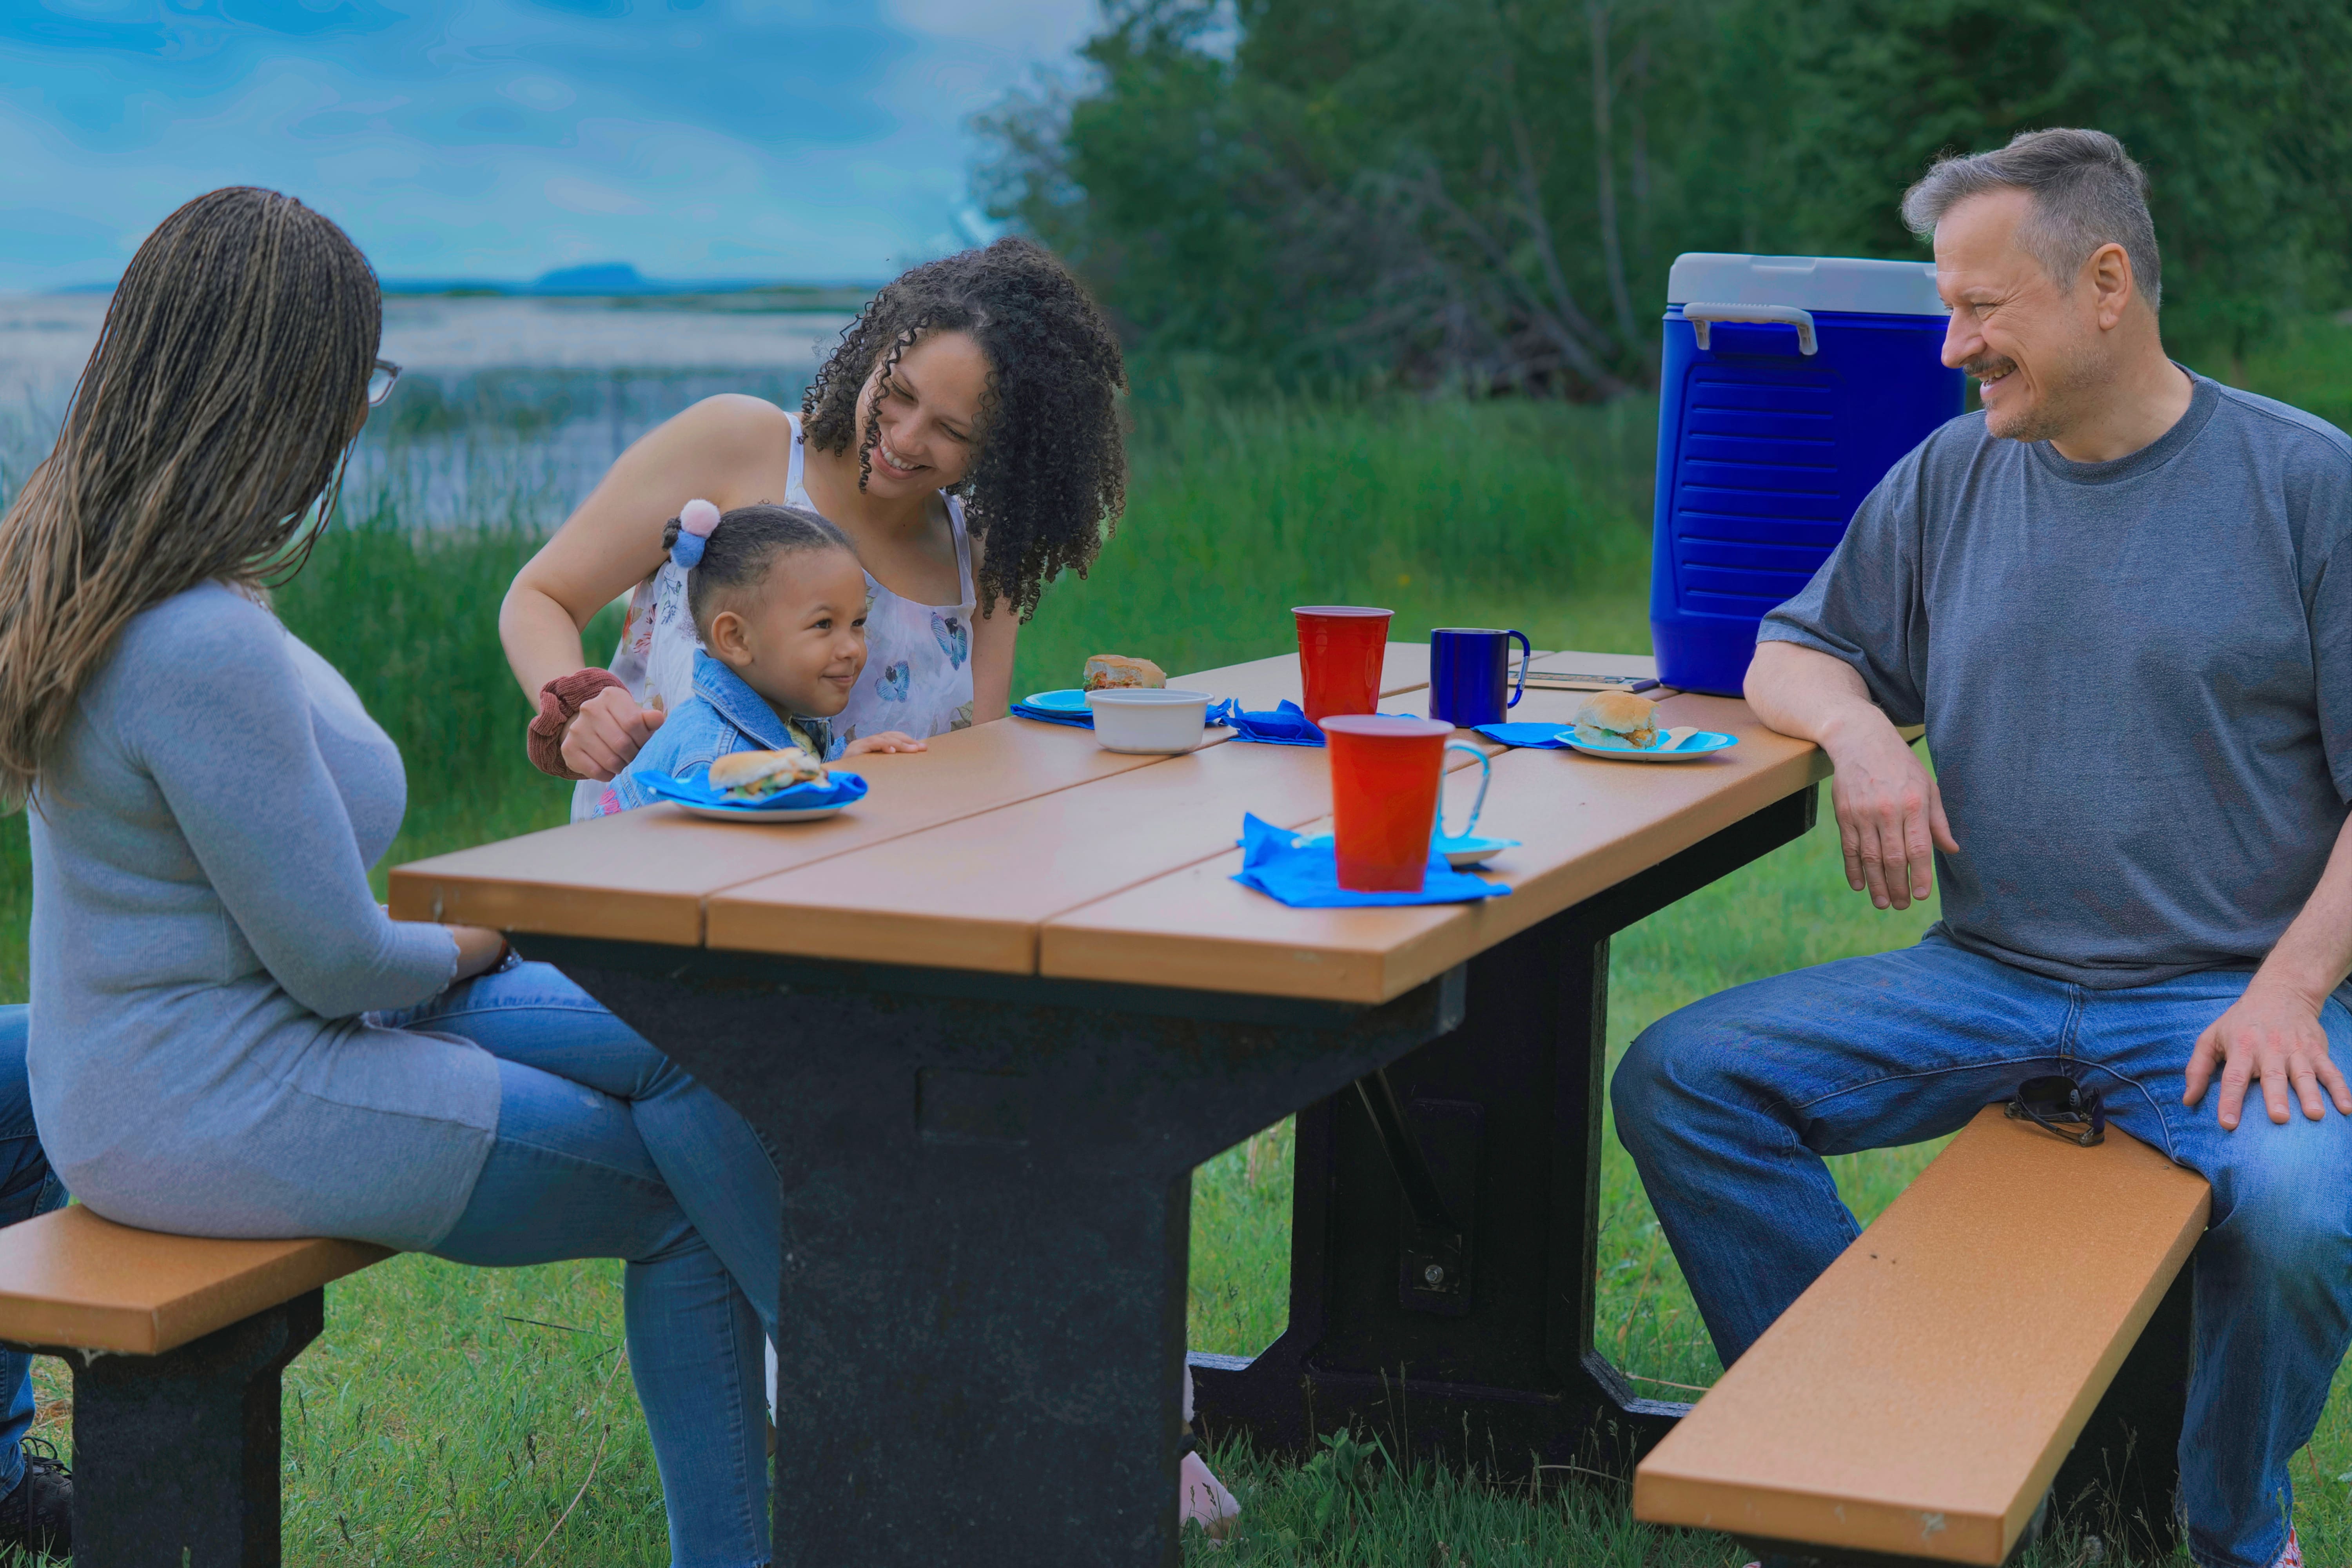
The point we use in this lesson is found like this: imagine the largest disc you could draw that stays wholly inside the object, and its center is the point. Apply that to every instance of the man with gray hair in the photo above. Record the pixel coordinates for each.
(2113, 599)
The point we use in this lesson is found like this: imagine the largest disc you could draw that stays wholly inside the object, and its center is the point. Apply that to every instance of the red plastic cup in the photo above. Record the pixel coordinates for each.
(1340, 648)
(1384, 780)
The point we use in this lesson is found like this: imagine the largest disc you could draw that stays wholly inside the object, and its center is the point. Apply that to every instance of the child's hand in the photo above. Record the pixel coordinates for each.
(888, 741)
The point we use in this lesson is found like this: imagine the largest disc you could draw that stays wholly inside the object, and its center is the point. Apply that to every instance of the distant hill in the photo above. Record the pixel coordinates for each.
(620, 280)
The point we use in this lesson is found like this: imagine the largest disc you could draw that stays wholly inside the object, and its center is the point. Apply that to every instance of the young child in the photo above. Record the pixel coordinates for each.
(778, 600)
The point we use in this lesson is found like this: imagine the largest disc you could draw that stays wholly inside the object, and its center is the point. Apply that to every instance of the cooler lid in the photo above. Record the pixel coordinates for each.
(1806, 283)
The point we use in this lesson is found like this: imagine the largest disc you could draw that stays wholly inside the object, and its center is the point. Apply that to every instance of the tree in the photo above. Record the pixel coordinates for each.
(1491, 191)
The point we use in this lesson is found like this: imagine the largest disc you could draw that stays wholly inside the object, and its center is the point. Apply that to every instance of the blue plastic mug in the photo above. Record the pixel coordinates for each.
(1470, 674)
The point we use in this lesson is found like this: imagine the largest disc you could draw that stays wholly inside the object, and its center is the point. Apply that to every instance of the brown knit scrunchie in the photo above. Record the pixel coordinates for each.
(559, 704)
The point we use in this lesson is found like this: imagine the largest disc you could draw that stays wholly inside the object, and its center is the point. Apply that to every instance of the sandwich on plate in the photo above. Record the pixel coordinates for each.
(756, 775)
(1617, 718)
(1107, 670)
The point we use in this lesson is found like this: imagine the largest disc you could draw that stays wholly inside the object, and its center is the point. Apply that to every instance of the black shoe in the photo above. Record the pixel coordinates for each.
(38, 1517)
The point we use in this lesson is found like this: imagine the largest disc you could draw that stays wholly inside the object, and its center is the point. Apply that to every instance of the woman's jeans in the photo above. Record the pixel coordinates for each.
(606, 1149)
(27, 1187)
(1729, 1105)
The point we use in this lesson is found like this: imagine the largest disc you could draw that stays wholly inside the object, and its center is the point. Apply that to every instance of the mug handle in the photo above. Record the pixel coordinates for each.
(1527, 657)
(1485, 778)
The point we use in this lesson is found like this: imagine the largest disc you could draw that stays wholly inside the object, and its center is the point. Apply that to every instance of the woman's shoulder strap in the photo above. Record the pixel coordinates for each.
(964, 590)
(795, 488)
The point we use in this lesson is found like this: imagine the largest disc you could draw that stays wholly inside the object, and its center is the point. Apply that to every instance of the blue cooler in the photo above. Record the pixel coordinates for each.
(1790, 385)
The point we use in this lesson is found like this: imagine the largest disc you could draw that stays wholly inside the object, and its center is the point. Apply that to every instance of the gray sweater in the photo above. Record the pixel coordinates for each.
(203, 938)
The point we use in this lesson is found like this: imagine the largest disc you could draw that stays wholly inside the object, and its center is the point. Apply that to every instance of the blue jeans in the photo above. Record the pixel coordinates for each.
(607, 1149)
(1729, 1105)
(27, 1187)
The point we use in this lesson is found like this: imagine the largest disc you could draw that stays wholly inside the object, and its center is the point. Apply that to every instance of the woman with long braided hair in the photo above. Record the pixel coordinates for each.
(213, 1045)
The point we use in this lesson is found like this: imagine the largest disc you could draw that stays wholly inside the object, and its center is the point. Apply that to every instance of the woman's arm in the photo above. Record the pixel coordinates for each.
(992, 663)
(992, 644)
(732, 450)
(206, 698)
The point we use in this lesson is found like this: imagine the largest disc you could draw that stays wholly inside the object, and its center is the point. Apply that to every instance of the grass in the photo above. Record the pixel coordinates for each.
(462, 1416)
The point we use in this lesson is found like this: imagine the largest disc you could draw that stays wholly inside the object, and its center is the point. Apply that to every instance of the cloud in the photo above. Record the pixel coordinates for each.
(502, 138)
(578, 196)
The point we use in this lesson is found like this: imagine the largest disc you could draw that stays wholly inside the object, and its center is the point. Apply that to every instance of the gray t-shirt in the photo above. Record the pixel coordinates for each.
(2136, 676)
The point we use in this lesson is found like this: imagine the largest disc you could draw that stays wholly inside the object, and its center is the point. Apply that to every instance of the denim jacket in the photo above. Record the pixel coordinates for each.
(724, 715)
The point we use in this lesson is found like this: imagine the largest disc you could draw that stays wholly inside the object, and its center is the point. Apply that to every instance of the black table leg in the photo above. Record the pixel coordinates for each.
(177, 1457)
(985, 1192)
(1509, 1109)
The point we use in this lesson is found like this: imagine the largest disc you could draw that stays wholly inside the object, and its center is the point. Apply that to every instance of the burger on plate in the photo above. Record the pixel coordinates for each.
(1112, 671)
(1617, 718)
(755, 775)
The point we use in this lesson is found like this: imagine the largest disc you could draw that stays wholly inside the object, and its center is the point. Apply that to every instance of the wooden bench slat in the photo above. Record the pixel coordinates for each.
(71, 1278)
(1920, 1398)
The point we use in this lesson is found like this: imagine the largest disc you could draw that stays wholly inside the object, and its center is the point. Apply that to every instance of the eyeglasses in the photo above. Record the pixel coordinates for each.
(2056, 1104)
(380, 381)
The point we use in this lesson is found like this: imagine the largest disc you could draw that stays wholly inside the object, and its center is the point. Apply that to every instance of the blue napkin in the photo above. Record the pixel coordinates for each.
(1551, 737)
(840, 789)
(1276, 864)
(1285, 725)
(1051, 716)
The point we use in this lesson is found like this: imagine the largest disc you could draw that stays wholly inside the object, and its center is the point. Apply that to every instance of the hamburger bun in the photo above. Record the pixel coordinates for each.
(751, 775)
(1607, 716)
(1106, 671)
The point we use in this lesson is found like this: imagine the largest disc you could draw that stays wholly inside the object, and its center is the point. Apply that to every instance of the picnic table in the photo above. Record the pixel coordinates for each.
(991, 1019)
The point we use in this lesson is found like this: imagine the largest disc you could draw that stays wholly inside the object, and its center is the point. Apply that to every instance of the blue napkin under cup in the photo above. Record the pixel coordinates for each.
(1276, 864)
(1286, 724)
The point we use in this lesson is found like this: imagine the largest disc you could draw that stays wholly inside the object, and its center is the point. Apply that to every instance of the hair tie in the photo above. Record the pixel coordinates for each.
(695, 521)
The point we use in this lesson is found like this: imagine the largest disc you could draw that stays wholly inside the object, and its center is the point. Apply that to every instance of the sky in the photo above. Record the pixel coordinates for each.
(798, 139)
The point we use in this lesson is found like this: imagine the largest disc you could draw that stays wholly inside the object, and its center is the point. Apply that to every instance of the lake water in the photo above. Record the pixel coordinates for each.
(506, 408)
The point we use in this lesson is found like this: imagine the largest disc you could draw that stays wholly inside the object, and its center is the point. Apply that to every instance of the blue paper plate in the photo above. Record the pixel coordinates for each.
(802, 802)
(1706, 743)
(1070, 700)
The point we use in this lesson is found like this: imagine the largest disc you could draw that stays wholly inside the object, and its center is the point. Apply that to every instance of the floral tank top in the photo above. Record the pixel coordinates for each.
(917, 673)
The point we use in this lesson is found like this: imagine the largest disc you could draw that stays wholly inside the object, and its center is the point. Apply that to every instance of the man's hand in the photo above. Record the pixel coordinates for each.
(2272, 1033)
(1890, 815)
(607, 733)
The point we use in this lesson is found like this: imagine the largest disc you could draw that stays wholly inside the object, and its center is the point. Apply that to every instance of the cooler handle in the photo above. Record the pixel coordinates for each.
(1699, 315)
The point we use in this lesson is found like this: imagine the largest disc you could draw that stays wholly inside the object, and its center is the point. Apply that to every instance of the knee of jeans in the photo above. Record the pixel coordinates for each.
(2282, 1206)
(1672, 1069)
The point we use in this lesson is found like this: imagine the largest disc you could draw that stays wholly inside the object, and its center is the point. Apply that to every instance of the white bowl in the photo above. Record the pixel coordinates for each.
(1149, 718)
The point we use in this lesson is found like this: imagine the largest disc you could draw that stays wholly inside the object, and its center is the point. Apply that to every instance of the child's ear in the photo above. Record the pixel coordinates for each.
(725, 640)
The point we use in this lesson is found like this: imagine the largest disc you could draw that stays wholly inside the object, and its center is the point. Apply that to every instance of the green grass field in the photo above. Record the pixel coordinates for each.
(459, 1417)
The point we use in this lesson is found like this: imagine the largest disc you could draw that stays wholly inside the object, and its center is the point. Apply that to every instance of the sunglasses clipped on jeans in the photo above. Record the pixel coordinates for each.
(2056, 1104)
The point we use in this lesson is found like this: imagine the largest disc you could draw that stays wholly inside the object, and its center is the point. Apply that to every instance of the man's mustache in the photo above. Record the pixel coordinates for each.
(1988, 369)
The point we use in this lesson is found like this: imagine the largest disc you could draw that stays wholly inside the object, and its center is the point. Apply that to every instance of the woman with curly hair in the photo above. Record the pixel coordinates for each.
(964, 434)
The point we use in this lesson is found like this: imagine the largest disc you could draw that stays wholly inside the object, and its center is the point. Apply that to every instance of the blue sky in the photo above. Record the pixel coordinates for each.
(499, 138)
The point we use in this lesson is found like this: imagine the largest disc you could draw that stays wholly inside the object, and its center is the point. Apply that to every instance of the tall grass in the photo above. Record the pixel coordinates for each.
(456, 1417)
(1533, 515)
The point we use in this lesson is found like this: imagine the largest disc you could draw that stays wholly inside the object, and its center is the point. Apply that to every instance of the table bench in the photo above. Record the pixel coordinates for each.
(2019, 1317)
(176, 1343)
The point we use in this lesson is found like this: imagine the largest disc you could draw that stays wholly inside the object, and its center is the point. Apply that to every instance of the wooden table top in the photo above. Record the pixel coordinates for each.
(1021, 848)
